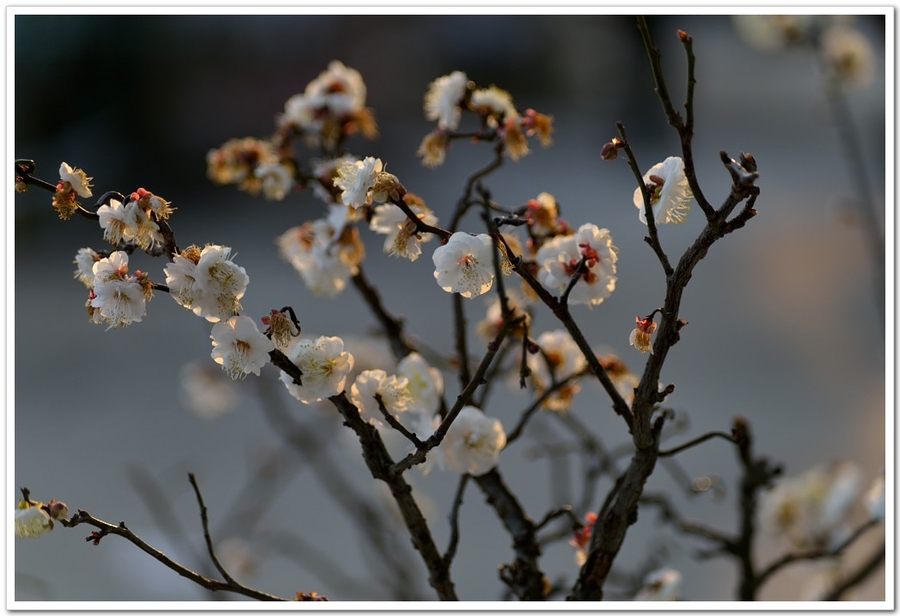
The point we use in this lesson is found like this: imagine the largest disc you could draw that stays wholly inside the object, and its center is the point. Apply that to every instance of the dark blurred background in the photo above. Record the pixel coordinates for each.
(784, 328)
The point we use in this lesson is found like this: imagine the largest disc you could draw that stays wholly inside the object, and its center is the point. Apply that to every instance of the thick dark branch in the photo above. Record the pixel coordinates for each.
(83, 517)
(524, 577)
(379, 462)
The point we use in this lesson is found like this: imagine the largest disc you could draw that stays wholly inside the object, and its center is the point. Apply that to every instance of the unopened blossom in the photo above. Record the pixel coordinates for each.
(670, 192)
(239, 347)
(660, 585)
(473, 443)
(393, 391)
(57, 510)
(641, 335)
(402, 236)
(465, 264)
(355, 179)
(314, 252)
(811, 509)
(433, 149)
(558, 359)
(493, 103)
(276, 180)
(325, 366)
(207, 281)
(85, 259)
(425, 383)
(848, 55)
(31, 520)
(442, 101)
(76, 179)
(581, 539)
(590, 255)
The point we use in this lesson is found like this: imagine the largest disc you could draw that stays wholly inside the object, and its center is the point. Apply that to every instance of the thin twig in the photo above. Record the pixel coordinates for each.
(700, 439)
(206, 536)
(454, 520)
(83, 517)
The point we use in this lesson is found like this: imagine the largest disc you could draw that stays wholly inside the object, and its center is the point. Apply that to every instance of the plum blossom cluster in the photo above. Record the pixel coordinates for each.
(451, 95)
(207, 282)
(115, 297)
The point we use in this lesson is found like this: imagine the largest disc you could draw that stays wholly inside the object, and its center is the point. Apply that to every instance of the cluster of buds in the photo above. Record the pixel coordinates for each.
(135, 219)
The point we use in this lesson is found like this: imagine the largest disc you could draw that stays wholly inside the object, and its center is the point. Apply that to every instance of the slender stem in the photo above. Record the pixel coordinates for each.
(454, 520)
(205, 523)
(83, 517)
(700, 439)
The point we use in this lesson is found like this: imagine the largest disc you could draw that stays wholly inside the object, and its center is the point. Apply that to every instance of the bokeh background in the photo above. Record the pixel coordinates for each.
(784, 326)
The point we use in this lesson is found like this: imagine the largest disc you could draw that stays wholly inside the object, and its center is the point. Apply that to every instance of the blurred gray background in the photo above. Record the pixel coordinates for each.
(784, 328)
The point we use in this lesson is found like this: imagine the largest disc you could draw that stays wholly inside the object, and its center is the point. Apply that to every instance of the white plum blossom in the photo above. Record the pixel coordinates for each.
(339, 88)
(660, 585)
(77, 179)
(559, 359)
(32, 521)
(560, 259)
(849, 55)
(495, 103)
(127, 222)
(325, 366)
(465, 264)
(277, 180)
(472, 444)
(670, 192)
(393, 390)
(811, 509)
(85, 259)
(116, 297)
(401, 239)
(118, 221)
(425, 383)
(207, 281)
(120, 302)
(355, 179)
(316, 251)
(239, 347)
(443, 98)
